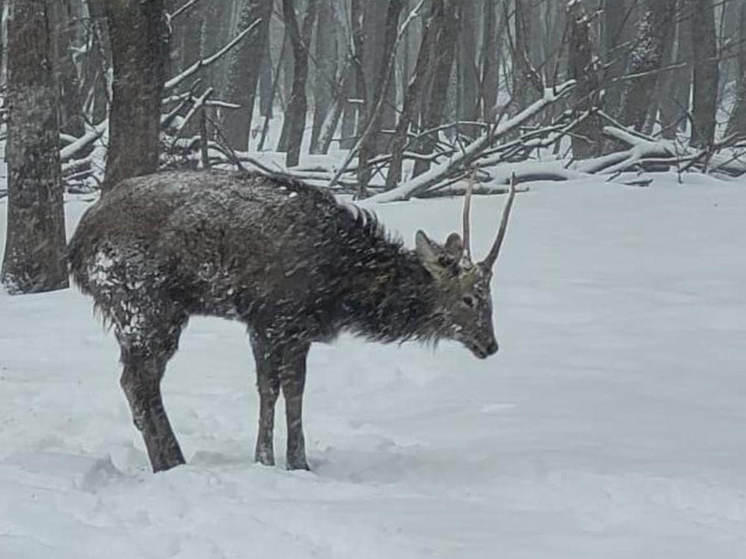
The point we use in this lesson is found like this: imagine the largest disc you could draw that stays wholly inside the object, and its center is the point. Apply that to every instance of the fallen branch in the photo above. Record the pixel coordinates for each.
(471, 152)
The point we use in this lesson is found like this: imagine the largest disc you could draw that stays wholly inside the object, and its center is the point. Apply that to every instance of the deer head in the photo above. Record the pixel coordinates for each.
(465, 301)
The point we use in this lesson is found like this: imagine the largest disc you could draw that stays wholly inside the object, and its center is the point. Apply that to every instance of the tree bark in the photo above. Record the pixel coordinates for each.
(468, 72)
(34, 258)
(295, 115)
(615, 32)
(674, 104)
(586, 140)
(382, 85)
(647, 58)
(326, 69)
(412, 100)
(489, 78)
(243, 74)
(139, 44)
(444, 47)
(705, 84)
(737, 121)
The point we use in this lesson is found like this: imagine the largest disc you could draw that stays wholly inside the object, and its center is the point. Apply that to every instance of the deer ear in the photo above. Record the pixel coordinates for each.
(430, 254)
(427, 250)
(454, 247)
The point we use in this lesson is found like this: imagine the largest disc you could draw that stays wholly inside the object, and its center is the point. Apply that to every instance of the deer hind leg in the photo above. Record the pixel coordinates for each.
(268, 385)
(146, 348)
(293, 381)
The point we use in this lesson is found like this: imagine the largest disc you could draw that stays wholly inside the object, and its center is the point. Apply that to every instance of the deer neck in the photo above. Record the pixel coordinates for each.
(393, 298)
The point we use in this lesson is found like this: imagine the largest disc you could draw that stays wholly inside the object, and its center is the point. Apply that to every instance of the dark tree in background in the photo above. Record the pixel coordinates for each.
(586, 140)
(244, 69)
(737, 122)
(646, 59)
(139, 45)
(295, 114)
(35, 244)
(705, 82)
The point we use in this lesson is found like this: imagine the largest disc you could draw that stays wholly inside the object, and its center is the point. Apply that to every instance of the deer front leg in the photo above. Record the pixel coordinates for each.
(293, 379)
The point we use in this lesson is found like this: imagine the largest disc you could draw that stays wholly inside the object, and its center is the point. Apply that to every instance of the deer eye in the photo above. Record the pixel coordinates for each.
(468, 300)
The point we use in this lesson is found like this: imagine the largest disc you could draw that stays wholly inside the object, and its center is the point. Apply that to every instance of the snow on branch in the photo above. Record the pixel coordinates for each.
(471, 152)
(194, 68)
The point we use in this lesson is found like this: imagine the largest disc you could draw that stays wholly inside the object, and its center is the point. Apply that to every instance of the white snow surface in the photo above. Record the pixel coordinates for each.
(611, 424)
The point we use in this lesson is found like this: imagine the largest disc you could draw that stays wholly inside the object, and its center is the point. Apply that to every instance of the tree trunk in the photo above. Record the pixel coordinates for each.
(489, 78)
(34, 258)
(382, 84)
(66, 15)
(705, 84)
(586, 140)
(737, 122)
(468, 73)
(243, 74)
(326, 70)
(139, 44)
(527, 84)
(412, 100)
(295, 115)
(444, 47)
(647, 58)
(615, 32)
(674, 104)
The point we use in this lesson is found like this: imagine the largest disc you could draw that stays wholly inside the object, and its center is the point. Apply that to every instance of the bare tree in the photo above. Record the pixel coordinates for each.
(382, 82)
(326, 59)
(35, 245)
(295, 114)
(737, 122)
(490, 56)
(139, 44)
(646, 59)
(244, 69)
(706, 74)
(586, 140)
(447, 13)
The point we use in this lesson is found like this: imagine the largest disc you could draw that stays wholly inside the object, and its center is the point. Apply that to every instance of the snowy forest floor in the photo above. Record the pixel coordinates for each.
(611, 424)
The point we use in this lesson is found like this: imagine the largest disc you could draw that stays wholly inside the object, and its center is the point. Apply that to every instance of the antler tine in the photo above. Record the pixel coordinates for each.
(467, 214)
(489, 262)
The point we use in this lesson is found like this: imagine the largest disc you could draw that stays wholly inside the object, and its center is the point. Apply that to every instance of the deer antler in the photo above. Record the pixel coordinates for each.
(489, 262)
(467, 214)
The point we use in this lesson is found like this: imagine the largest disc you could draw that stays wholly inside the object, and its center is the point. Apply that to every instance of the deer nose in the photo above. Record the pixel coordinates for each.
(492, 348)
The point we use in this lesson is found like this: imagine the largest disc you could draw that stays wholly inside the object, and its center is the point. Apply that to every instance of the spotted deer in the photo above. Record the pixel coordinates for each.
(282, 257)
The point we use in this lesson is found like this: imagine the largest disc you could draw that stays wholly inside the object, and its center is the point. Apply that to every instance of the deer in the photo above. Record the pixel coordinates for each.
(286, 259)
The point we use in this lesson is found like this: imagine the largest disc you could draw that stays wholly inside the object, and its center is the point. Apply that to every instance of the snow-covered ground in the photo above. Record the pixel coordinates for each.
(612, 424)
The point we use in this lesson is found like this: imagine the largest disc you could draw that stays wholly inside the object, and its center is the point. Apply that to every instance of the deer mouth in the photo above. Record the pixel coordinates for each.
(480, 351)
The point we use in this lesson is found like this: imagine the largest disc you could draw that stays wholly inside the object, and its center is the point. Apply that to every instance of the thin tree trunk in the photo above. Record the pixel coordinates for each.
(297, 106)
(705, 84)
(243, 74)
(412, 99)
(674, 106)
(444, 47)
(34, 258)
(139, 44)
